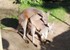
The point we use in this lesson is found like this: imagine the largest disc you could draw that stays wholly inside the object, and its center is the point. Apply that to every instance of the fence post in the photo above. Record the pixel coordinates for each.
(1, 47)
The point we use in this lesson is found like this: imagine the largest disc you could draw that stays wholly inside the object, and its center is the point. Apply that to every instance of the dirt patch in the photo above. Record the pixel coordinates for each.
(12, 41)
(7, 8)
(59, 40)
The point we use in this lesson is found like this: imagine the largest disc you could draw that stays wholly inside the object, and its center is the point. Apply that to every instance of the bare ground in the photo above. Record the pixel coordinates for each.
(60, 40)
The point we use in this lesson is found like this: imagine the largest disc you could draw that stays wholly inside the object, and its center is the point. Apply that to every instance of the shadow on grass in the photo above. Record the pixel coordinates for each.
(10, 22)
(53, 4)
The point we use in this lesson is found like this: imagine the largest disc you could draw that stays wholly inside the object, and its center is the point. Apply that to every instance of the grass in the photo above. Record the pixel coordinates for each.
(57, 12)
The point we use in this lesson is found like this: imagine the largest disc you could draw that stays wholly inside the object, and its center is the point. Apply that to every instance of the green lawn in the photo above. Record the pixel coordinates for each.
(58, 12)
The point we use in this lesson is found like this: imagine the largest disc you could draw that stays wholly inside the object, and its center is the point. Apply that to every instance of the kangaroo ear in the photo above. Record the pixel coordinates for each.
(51, 27)
(48, 13)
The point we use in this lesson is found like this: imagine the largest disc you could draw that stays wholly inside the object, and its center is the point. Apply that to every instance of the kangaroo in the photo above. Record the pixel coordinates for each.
(37, 20)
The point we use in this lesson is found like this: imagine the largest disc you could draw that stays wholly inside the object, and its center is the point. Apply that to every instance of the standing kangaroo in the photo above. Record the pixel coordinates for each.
(37, 20)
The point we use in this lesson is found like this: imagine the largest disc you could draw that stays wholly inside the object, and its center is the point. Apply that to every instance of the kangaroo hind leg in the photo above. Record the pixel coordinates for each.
(24, 26)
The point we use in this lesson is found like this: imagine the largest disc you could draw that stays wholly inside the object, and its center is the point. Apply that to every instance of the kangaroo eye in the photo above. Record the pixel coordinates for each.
(40, 15)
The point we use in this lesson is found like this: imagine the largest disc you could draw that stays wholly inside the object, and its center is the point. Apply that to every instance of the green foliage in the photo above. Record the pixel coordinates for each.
(31, 1)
